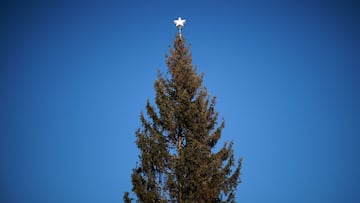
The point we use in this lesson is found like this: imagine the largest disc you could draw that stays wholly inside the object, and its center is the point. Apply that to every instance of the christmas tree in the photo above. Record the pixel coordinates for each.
(178, 162)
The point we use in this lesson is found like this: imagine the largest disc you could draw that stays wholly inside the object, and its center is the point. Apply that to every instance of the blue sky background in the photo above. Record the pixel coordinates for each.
(74, 77)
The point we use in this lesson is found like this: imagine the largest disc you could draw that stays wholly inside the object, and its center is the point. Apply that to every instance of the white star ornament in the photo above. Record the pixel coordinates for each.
(179, 22)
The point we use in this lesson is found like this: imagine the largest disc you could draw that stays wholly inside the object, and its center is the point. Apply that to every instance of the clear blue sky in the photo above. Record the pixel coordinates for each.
(75, 75)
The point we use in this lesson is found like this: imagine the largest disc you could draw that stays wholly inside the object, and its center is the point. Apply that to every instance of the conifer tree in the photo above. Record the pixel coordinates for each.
(177, 161)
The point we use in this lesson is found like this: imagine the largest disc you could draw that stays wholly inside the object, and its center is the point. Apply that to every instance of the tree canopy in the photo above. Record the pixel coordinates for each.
(177, 161)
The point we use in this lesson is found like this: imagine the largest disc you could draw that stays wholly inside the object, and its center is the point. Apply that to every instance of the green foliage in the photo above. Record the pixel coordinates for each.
(176, 141)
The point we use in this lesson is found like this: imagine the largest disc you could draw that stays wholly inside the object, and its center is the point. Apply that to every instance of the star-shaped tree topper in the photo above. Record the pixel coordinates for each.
(179, 22)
